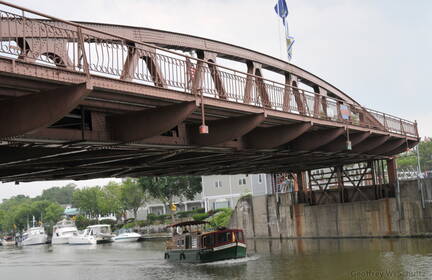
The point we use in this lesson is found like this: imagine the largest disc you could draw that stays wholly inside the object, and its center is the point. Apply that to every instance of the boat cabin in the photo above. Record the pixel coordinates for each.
(191, 243)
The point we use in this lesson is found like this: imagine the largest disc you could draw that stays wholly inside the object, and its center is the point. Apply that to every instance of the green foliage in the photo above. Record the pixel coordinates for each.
(200, 216)
(162, 219)
(61, 195)
(168, 187)
(82, 222)
(20, 210)
(409, 159)
(222, 218)
(136, 224)
(133, 195)
(185, 214)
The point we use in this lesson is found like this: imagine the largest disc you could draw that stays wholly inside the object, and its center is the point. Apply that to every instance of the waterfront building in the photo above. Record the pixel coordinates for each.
(223, 191)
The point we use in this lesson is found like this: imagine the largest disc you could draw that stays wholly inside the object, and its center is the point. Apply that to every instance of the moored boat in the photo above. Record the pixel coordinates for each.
(8, 240)
(127, 236)
(99, 233)
(34, 236)
(62, 231)
(190, 243)
(86, 238)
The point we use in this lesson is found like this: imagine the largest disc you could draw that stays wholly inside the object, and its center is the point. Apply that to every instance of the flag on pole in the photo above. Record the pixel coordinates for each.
(281, 10)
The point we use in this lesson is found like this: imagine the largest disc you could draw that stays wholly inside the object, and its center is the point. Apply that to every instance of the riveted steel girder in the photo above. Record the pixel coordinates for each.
(315, 139)
(225, 129)
(271, 137)
(387, 147)
(340, 144)
(24, 114)
(370, 144)
(146, 123)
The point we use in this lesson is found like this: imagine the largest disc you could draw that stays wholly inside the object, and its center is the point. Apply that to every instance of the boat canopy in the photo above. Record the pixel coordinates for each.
(188, 223)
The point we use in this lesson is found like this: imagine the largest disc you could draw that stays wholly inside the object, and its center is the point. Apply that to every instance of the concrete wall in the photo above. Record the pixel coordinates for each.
(277, 217)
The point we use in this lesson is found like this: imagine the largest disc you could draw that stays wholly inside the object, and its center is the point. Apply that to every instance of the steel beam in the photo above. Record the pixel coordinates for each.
(313, 140)
(143, 124)
(271, 137)
(370, 144)
(225, 129)
(340, 144)
(387, 147)
(28, 113)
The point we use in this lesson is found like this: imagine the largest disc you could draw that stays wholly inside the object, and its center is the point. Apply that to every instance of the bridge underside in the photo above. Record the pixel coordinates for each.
(80, 101)
(52, 130)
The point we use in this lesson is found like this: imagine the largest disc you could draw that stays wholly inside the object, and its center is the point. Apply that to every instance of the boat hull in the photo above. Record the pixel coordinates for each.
(79, 240)
(37, 240)
(126, 239)
(8, 243)
(224, 252)
(60, 240)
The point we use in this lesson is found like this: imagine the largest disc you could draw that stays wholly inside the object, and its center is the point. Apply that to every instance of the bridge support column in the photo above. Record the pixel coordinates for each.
(302, 186)
(391, 171)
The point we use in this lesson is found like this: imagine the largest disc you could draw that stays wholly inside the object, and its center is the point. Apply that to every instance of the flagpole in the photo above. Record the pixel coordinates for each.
(279, 35)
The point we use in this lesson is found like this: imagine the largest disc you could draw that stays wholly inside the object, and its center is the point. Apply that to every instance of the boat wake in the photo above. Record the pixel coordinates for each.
(231, 261)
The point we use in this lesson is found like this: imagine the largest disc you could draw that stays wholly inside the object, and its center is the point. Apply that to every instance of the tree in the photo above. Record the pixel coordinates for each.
(408, 160)
(109, 200)
(133, 196)
(166, 188)
(53, 213)
(86, 200)
(61, 195)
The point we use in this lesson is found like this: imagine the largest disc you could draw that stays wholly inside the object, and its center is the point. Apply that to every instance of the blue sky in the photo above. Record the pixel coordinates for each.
(378, 52)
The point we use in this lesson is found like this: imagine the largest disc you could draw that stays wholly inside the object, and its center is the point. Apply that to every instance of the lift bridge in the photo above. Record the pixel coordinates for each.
(86, 100)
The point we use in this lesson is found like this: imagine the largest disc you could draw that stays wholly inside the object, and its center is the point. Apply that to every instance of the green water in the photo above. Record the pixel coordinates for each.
(355, 259)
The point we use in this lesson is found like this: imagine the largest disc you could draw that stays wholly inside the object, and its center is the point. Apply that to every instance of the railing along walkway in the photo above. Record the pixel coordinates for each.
(69, 45)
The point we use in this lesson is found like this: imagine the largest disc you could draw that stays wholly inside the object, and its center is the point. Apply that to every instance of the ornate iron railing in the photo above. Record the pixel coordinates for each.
(68, 45)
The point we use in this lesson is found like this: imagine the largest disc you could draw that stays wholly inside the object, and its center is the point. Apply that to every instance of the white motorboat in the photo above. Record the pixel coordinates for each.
(127, 236)
(34, 236)
(86, 238)
(62, 231)
(102, 233)
(8, 241)
(95, 234)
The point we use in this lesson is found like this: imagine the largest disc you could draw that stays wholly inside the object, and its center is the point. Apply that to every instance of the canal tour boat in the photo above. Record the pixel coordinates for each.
(62, 231)
(190, 243)
(96, 234)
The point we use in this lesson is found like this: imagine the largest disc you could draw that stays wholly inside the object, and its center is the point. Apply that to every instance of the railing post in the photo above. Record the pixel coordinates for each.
(82, 51)
(385, 121)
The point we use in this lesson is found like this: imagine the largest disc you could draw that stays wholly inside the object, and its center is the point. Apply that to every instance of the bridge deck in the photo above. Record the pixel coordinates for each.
(80, 103)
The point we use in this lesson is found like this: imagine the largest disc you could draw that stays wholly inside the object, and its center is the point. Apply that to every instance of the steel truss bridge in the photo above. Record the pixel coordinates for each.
(90, 100)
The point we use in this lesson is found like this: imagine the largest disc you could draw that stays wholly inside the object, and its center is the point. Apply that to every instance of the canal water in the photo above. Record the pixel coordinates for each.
(343, 259)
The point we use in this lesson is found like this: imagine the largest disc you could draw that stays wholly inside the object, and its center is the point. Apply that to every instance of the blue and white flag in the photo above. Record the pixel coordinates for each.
(281, 9)
(289, 42)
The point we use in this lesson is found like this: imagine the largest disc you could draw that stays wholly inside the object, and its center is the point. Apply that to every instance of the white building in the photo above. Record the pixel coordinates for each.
(223, 191)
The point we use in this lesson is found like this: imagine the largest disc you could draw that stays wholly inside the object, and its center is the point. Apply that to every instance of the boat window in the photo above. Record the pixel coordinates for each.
(224, 237)
(207, 241)
(239, 236)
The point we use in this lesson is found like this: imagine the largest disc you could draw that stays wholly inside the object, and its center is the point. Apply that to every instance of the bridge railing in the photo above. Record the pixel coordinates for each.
(70, 46)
